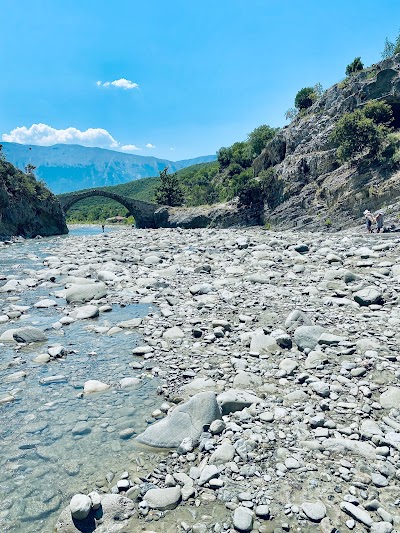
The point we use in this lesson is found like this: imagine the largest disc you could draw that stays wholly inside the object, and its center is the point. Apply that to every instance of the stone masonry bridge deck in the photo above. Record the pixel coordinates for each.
(144, 213)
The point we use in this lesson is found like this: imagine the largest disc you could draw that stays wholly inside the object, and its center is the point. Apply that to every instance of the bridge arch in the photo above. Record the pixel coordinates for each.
(143, 212)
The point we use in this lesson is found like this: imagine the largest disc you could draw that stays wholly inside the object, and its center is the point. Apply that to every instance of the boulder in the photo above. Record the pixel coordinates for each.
(368, 296)
(29, 334)
(80, 506)
(110, 515)
(235, 400)
(94, 386)
(163, 499)
(390, 399)
(78, 293)
(307, 337)
(187, 420)
(84, 312)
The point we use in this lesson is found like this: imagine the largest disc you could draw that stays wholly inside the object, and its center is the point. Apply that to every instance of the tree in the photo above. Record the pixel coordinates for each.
(379, 112)
(354, 66)
(169, 192)
(388, 50)
(305, 98)
(29, 169)
(357, 135)
(224, 156)
(291, 113)
(259, 137)
(318, 89)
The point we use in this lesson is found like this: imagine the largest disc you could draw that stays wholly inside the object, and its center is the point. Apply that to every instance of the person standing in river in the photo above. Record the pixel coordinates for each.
(102, 227)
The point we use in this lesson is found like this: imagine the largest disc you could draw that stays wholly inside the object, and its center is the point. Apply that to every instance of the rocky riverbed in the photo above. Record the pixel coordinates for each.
(277, 364)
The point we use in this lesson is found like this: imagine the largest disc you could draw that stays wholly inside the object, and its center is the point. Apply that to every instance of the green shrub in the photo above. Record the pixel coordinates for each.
(305, 98)
(357, 135)
(354, 66)
(224, 156)
(379, 112)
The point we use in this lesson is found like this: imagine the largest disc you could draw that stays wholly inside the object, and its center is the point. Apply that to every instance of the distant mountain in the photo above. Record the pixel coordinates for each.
(71, 167)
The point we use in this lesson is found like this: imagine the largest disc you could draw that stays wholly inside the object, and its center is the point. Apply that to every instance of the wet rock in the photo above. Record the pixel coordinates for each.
(29, 334)
(77, 293)
(93, 385)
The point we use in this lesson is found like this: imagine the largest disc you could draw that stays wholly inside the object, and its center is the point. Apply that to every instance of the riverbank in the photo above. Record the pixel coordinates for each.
(290, 340)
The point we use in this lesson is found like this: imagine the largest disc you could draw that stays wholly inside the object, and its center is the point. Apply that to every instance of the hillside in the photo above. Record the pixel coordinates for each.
(66, 168)
(27, 207)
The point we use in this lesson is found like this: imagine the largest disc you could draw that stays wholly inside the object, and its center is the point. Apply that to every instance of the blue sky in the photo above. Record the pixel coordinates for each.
(207, 72)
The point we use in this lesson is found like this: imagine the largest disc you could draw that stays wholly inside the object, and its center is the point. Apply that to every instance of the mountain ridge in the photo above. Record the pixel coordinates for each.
(71, 167)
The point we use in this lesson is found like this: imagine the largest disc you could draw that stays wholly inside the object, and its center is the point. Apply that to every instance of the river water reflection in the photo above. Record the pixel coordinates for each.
(53, 442)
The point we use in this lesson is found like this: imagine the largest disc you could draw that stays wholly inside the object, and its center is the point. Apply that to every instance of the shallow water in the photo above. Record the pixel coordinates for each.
(53, 442)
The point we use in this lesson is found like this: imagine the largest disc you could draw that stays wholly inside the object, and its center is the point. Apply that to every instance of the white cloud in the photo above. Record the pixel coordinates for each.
(45, 135)
(172, 149)
(149, 145)
(122, 83)
(129, 148)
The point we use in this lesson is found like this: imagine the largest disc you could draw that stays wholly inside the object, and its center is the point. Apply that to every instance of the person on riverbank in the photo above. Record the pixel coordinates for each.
(370, 219)
(379, 222)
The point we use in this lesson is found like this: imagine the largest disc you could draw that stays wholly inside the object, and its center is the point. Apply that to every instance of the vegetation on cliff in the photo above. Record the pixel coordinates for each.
(27, 207)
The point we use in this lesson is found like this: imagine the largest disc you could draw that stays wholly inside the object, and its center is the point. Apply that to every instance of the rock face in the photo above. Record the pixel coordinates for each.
(216, 216)
(27, 208)
(187, 420)
(307, 184)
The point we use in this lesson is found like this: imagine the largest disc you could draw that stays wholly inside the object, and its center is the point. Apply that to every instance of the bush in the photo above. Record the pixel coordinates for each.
(224, 156)
(305, 98)
(379, 112)
(234, 168)
(355, 66)
(259, 137)
(251, 193)
(357, 135)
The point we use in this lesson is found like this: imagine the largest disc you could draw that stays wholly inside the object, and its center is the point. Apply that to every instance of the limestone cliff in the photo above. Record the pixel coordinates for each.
(27, 207)
(308, 184)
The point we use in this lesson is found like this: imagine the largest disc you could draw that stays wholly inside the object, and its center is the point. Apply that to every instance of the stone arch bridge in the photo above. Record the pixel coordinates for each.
(146, 215)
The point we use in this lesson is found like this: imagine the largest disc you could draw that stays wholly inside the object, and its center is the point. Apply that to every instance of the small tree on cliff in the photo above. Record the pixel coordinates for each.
(169, 192)
(354, 66)
(29, 169)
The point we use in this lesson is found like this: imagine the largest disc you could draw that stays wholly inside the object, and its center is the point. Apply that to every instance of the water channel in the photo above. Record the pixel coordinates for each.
(53, 441)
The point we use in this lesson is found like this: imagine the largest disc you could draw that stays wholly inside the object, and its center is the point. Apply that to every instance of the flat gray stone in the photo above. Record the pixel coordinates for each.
(307, 337)
(29, 334)
(187, 420)
(315, 511)
(77, 293)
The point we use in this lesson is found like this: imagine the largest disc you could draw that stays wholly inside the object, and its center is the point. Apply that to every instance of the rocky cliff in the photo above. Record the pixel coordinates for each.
(308, 184)
(27, 207)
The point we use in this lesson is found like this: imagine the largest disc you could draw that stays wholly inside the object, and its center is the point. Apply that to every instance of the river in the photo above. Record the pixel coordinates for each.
(53, 441)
